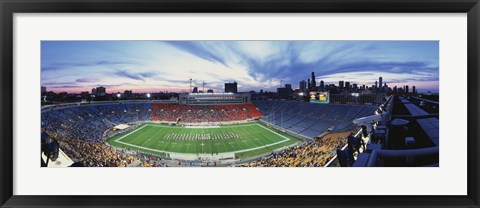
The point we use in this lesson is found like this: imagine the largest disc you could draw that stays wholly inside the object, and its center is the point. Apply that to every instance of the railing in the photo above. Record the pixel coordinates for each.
(400, 153)
(335, 156)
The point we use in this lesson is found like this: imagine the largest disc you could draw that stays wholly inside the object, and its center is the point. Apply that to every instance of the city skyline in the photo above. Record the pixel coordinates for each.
(154, 66)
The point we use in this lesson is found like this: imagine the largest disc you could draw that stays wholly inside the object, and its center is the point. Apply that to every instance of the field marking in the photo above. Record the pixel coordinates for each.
(130, 133)
(169, 152)
(273, 132)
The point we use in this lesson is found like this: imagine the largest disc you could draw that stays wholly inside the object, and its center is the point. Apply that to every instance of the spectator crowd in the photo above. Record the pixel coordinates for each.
(203, 113)
(315, 153)
(81, 130)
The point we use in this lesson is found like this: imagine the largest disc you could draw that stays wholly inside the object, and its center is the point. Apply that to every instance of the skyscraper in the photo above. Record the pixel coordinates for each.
(314, 83)
(406, 89)
(347, 85)
(303, 86)
(413, 89)
(322, 86)
(43, 89)
(340, 85)
(380, 83)
(231, 87)
(309, 87)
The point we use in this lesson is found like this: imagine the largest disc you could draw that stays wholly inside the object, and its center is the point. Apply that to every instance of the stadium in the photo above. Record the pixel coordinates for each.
(210, 129)
(155, 111)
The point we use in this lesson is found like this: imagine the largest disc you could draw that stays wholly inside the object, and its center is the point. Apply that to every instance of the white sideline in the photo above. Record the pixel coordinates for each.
(233, 152)
(130, 133)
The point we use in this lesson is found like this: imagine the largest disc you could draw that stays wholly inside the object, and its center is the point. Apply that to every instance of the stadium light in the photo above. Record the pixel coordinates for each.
(118, 95)
(44, 141)
(301, 94)
(148, 95)
(51, 151)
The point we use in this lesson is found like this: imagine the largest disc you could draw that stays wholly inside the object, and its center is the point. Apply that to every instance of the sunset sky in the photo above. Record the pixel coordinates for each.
(153, 66)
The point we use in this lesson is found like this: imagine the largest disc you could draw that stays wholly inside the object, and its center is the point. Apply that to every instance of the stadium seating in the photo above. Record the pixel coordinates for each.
(80, 129)
(203, 113)
(310, 154)
(311, 119)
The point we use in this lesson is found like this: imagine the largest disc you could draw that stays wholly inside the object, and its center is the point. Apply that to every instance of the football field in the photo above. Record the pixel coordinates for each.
(243, 140)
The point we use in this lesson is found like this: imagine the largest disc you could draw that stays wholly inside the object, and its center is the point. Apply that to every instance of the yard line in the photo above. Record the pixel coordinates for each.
(146, 139)
(158, 139)
(141, 137)
(130, 133)
(255, 148)
(223, 142)
(274, 132)
(145, 148)
(166, 144)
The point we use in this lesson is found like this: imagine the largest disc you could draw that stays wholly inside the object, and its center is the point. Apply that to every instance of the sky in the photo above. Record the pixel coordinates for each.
(159, 66)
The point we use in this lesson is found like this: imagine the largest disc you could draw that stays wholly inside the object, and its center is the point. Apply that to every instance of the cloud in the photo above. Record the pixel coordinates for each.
(52, 68)
(253, 64)
(86, 80)
(104, 62)
(205, 50)
(130, 75)
(293, 61)
(58, 83)
(65, 86)
(69, 66)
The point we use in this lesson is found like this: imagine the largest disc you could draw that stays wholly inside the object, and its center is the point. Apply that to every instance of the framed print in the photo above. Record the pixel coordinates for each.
(214, 103)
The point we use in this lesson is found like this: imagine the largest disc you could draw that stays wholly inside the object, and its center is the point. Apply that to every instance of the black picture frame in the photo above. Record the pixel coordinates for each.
(10, 7)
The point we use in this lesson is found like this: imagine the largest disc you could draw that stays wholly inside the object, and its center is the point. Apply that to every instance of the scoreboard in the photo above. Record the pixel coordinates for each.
(319, 97)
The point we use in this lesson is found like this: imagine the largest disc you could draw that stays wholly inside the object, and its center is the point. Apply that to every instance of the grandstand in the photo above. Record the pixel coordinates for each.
(90, 133)
(203, 113)
(310, 119)
(82, 130)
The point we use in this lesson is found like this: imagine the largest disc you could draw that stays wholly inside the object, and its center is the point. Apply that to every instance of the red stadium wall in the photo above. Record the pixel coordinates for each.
(203, 113)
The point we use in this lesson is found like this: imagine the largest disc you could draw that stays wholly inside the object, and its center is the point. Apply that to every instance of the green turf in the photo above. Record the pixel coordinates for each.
(240, 138)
